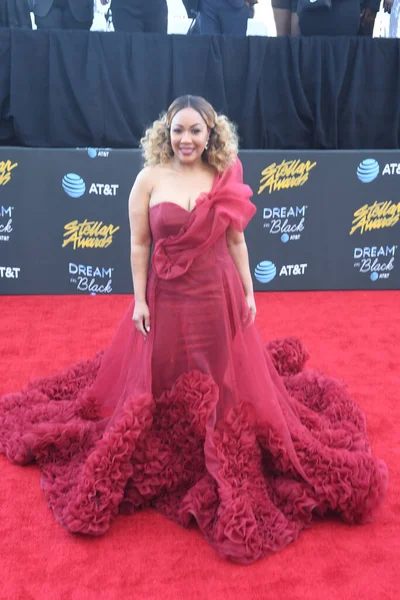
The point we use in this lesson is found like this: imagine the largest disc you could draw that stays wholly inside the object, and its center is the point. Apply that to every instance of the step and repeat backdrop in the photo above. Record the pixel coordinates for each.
(325, 220)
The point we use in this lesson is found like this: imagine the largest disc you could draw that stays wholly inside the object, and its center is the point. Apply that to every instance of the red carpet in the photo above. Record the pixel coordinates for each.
(352, 335)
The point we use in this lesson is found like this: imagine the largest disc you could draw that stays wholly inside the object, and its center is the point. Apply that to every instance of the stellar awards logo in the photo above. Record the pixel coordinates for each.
(6, 171)
(379, 215)
(89, 234)
(287, 175)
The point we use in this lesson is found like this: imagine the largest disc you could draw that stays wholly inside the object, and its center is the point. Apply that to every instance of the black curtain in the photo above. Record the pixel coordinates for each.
(77, 89)
(15, 13)
(7, 133)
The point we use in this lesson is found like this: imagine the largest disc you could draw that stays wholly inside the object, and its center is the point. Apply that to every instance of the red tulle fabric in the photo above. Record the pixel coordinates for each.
(201, 420)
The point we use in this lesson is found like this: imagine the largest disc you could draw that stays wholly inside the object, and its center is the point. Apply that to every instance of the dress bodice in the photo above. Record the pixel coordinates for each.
(167, 218)
(186, 240)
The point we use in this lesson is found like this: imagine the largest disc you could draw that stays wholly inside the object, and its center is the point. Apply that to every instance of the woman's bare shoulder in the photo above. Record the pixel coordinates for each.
(146, 175)
(152, 174)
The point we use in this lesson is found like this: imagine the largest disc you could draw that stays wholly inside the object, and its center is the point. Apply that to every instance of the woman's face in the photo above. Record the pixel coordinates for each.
(189, 135)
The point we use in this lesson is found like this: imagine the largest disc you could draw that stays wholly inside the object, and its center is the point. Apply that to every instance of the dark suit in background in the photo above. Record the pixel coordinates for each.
(63, 14)
(342, 19)
(146, 16)
(15, 13)
(224, 16)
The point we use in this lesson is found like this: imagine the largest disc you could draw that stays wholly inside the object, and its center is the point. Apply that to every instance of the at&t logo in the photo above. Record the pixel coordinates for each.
(75, 187)
(104, 189)
(266, 271)
(98, 152)
(368, 170)
(9, 272)
(391, 169)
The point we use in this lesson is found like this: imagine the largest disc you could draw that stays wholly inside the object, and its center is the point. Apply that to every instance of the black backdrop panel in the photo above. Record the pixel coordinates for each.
(69, 219)
(325, 220)
(75, 88)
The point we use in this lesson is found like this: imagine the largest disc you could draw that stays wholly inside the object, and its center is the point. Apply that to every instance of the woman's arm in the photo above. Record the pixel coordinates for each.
(140, 246)
(238, 250)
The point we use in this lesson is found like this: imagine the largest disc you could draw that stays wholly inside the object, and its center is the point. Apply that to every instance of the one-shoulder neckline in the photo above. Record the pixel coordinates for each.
(174, 204)
(195, 204)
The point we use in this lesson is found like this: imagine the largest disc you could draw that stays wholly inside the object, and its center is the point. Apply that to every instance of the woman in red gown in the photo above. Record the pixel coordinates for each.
(186, 411)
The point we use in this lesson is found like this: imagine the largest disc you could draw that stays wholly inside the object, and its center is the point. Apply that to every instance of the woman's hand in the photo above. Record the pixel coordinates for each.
(141, 318)
(251, 303)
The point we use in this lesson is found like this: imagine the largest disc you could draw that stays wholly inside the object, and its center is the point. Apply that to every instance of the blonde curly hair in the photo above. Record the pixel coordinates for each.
(223, 141)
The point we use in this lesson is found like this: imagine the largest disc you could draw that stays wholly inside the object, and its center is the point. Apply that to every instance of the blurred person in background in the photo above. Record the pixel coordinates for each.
(369, 10)
(63, 14)
(191, 6)
(393, 7)
(337, 17)
(285, 17)
(146, 16)
(227, 17)
(102, 16)
(16, 13)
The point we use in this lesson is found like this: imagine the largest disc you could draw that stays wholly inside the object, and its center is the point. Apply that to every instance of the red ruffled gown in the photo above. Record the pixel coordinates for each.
(201, 420)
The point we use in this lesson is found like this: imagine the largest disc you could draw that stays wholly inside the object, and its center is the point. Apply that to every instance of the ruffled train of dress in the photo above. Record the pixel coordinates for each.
(153, 455)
